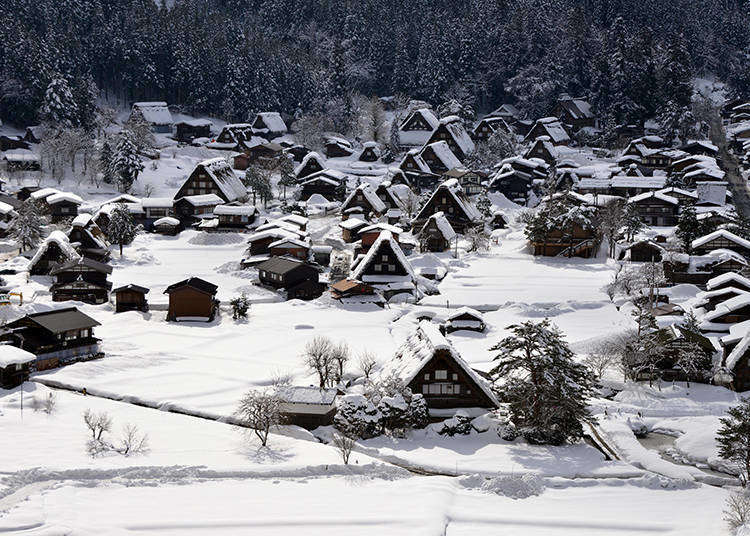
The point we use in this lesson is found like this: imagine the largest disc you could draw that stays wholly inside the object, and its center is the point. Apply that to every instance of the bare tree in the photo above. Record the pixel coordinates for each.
(261, 411)
(132, 441)
(97, 423)
(340, 355)
(690, 359)
(611, 219)
(49, 404)
(737, 510)
(601, 357)
(319, 358)
(652, 277)
(344, 444)
(367, 364)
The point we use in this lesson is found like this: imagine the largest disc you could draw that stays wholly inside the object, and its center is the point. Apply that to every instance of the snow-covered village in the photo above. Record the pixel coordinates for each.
(372, 268)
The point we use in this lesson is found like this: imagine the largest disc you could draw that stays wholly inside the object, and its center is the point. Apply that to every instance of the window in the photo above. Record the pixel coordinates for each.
(391, 267)
(384, 258)
(427, 376)
(434, 388)
(425, 387)
(450, 210)
(378, 267)
(455, 377)
(441, 374)
(70, 335)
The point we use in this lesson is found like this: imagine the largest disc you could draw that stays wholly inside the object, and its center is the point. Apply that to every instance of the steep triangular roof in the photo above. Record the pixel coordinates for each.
(385, 238)
(453, 188)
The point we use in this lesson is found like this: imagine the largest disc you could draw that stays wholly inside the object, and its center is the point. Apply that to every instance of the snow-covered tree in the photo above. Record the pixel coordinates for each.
(632, 221)
(395, 416)
(688, 227)
(733, 438)
(259, 181)
(126, 163)
(59, 109)
(26, 226)
(122, 229)
(106, 159)
(357, 417)
(240, 306)
(610, 218)
(286, 173)
(547, 389)
(419, 413)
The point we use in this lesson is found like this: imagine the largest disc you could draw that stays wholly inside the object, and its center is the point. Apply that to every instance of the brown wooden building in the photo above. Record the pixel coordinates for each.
(214, 176)
(187, 131)
(436, 234)
(81, 279)
(130, 298)
(57, 337)
(450, 199)
(56, 249)
(15, 366)
(299, 279)
(192, 299)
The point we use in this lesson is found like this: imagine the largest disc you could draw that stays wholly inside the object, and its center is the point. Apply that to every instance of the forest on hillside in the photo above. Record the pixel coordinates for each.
(230, 58)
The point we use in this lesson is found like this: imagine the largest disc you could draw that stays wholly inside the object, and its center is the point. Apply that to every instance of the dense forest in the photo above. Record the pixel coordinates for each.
(230, 58)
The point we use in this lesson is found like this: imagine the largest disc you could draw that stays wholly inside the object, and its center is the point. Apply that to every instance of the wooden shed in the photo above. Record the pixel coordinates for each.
(130, 298)
(192, 299)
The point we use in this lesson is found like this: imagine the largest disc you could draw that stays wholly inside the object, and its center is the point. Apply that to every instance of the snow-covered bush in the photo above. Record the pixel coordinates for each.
(515, 486)
(395, 415)
(419, 413)
(508, 432)
(459, 424)
(482, 423)
(240, 306)
(357, 417)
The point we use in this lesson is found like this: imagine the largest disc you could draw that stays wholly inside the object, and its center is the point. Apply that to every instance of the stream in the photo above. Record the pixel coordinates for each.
(664, 445)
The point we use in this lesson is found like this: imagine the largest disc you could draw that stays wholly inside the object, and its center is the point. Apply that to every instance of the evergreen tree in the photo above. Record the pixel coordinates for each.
(286, 173)
(733, 438)
(258, 180)
(126, 164)
(632, 222)
(106, 159)
(484, 205)
(688, 227)
(26, 226)
(59, 109)
(546, 388)
(121, 229)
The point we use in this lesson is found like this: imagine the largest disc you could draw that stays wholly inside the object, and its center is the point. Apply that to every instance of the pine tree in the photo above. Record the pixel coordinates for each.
(121, 229)
(26, 226)
(126, 163)
(106, 158)
(688, 227)
(632, 222)
(546, 388)
(59, 109)
(286, 173)
(259, 182)
(484, 205)
(733, 438)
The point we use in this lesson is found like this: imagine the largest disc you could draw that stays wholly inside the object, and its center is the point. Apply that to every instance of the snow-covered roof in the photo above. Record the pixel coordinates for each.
(453, 187)
(44, 192)
(298, 394)
(369, 193)
(457, 131)
(5, 208)
(234, 210)
(352, 223)
(272, 120)
(728, 277)
(385, 238)
(224, 177)
(62, 241)
(728, 306)
(168, 220)
(721, 233)
(382, 227)
(157, 202)
(11, 355)
(312, 155)
(203, 200)
(121, 198)
(654, 195)
(554, 129)
(419, 349)
(466, 311)
(295, 219)
(155, 112)
(442, 224)
(290, 243)
(429, 117)
(64, 196)
(712, 172)
(444, 153)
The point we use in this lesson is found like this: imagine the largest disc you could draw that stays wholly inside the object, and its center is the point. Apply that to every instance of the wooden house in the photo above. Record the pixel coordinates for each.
(168, 226)
(299, 279)
(187, 131)
(700, 147)
(130, 298)
(214, 176)
(450, 199)
(291, 247)
(265, 155)
(711, 298)
(335, 147)
(370, 152)
(499, 220)
(506, 111)
(15, 366)
(312, 163)
(298, 152)
(56, 249)
(643, 251)
(735, 366)
(81, 279)
(348, 290)
(11, 143)
(470, 181)
(543, 149)
(88, 239)
(488, 126)
(235, 216)
(7, 213)
(155, 113)
(436, 234)
(232, 134)
(464, 318)
(22, 161)
(452, 132)
(721, 239)
(63, 205)
(417, 127)
(268, 125)
(574, 113)
(155, 208)
(265, 235)
(676, 339)
(57, 337)
(385, 267)
(363, 197)
(196, 207)
(576, 242)
(662, 158)
(328, 183)
(551, 128)
(656, 208)
(731, 311)
(429, 365)
(192, 299)
(350, 228)
(369, 234)
(308, 407)
(387, 194)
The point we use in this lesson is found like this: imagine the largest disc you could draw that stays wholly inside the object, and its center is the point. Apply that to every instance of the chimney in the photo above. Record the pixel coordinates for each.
(711, 192)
